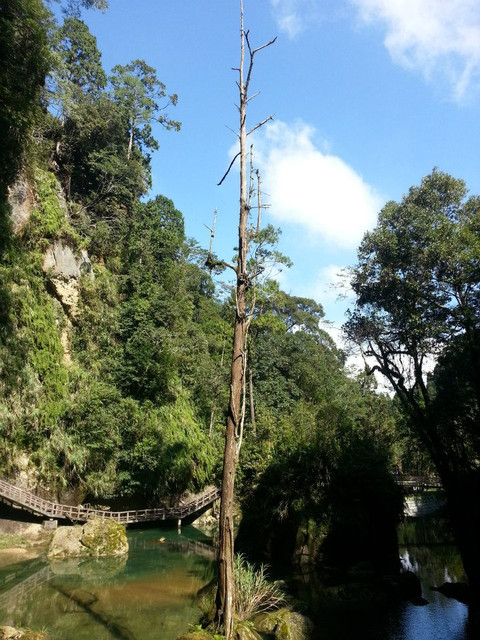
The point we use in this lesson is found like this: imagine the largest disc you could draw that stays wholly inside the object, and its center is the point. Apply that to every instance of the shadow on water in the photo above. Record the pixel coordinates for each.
(366, 610)
(150, 595)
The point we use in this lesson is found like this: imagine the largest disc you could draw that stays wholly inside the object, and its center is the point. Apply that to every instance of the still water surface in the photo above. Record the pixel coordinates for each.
(150, 595)
(426, 549)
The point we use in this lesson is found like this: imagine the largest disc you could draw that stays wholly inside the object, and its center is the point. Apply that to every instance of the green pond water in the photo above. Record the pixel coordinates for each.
(150, 595)
(147, 596)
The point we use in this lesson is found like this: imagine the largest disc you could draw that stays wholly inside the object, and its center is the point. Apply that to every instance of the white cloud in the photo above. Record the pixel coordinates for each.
(294, 16)
(439, 38)
(312, 188)
(331, 283)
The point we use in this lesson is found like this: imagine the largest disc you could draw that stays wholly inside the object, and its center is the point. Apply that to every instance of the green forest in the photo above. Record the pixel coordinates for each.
(116, 329)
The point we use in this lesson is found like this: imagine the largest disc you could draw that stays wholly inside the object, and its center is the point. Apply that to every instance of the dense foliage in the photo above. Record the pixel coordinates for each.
(418, 318)
(121, 391)
(103, 395)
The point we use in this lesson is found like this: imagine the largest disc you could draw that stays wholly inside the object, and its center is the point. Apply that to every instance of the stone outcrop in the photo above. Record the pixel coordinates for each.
(21, 201)
(64, 268)
(96, 538)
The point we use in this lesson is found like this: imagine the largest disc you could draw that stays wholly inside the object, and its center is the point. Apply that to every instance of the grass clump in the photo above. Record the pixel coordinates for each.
(254, 592)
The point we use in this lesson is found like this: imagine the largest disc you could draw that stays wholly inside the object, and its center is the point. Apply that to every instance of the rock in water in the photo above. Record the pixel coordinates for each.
(410, 588)
(456, 590)
(104, 538)
(66, 543)
(96, 538)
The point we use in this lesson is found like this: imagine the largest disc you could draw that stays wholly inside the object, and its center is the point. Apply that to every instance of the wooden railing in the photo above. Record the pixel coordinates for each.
(418, 482)
(53, 510)
(10, 597)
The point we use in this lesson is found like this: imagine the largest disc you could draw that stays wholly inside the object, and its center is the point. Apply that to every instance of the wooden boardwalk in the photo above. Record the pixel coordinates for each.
(418, 483)
(38, 506)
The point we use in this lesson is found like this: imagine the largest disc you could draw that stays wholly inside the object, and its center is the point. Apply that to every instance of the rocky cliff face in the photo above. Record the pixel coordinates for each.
(62, 264)
(63, 269)
(21, 201)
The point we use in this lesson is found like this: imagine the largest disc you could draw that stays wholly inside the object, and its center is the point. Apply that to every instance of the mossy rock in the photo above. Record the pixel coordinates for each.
(96, 538)
(266, 622)
(246, 631)
(284, 625)
(293, 626)
(205, 601)
(104, 538)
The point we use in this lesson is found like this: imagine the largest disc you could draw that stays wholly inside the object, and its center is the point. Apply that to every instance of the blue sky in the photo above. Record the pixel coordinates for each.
(368, 96)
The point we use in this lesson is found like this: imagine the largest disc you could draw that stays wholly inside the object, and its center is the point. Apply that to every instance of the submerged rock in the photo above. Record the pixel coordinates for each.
(96, 538)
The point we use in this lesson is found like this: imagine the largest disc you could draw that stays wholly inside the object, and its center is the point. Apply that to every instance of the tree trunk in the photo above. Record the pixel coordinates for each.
(225, 600)
(130, 139)
(251, 401)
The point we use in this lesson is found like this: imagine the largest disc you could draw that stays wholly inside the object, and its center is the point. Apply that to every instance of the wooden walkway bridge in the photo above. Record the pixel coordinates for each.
(418, 483)
(28, 501)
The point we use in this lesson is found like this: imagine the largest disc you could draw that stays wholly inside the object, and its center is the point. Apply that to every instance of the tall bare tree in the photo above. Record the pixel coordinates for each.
(225, 600)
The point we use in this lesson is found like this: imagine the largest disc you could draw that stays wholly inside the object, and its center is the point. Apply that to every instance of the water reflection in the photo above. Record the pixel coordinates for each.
(426, 548)
(361, 612)
(150, 594)
(147, 596)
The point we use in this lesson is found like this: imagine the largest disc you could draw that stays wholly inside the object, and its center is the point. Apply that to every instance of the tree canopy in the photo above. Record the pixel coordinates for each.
(417, 319)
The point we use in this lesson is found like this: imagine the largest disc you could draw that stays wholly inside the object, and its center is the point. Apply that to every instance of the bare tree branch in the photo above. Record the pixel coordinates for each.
(232, 130)
(260, 124)
(264, 46)
(228, 170)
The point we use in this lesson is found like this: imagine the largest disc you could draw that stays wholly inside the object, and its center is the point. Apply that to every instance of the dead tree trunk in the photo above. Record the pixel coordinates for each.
(226, 579)
(225, 599)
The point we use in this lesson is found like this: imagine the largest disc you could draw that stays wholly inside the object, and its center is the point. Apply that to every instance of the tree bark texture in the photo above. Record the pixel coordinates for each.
(225, 600)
